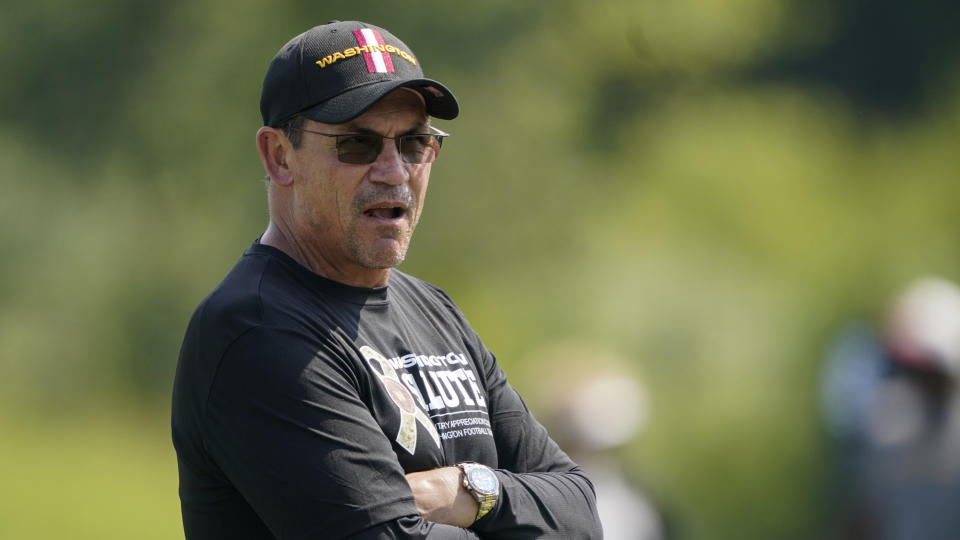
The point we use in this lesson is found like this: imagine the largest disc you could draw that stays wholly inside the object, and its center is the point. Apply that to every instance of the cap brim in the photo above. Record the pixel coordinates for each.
(439, 101)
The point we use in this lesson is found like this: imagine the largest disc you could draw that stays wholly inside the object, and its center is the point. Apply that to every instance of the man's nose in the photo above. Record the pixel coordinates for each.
(389, 167)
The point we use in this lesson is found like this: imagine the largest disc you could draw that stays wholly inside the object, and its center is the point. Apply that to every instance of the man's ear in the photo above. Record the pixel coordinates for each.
(276, 152)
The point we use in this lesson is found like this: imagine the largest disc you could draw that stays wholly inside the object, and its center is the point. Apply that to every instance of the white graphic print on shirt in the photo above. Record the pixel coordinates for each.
(447, 390)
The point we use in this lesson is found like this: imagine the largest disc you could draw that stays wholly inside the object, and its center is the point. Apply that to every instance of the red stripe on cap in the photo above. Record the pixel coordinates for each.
(362, 41)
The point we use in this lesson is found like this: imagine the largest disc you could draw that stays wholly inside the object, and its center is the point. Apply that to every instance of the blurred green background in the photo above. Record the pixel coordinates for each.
(710, 189)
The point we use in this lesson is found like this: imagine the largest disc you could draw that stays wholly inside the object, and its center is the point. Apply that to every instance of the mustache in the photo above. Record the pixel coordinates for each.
(377, 193)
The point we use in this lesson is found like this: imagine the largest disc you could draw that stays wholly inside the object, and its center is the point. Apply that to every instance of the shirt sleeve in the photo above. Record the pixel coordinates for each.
(544, 494)
(285, 424)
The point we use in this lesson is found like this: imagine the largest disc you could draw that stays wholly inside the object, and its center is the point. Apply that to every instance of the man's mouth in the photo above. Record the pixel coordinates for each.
(387, 211)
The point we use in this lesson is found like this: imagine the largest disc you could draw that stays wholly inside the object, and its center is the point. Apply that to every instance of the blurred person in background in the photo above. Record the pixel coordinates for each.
(322, 394)
(594, 407)
(891, 402)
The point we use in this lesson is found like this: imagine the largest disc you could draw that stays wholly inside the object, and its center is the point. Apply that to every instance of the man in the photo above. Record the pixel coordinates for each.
(321, 394)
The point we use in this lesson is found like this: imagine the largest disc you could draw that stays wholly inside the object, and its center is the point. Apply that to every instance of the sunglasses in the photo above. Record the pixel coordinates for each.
(365, 148)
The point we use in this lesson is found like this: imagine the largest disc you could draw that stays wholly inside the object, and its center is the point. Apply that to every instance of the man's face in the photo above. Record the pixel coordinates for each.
(359, 219)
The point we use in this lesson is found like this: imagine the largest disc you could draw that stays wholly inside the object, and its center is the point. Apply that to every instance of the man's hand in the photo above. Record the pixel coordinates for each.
(441, 497)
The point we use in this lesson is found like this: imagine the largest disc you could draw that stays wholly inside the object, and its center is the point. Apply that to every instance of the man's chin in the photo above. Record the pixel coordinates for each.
(383, 258)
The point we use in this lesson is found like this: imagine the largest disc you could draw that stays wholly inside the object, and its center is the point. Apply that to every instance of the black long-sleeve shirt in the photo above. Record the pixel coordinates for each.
(300, 403)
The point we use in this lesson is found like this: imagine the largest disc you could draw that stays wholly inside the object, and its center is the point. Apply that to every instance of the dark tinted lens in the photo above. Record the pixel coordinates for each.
(419, 148)
(359, 149)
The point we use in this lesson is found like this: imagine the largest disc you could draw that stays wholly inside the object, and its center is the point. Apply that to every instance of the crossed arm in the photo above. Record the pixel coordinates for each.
(312, 462)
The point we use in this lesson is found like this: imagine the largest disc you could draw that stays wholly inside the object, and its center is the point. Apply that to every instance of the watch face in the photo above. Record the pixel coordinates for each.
(483, 480)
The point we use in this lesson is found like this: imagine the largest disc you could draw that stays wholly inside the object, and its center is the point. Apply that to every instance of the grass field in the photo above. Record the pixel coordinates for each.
(104, 476)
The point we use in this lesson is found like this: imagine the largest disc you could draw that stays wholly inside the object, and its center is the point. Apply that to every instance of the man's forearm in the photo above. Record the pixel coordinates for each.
(543, 504)
(441, 497)
(558, 504)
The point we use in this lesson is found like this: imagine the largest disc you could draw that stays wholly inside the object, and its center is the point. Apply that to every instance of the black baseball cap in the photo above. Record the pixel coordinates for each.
(334, 72)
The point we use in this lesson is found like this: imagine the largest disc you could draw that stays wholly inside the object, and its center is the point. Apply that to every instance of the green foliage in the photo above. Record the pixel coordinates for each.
(614, 179)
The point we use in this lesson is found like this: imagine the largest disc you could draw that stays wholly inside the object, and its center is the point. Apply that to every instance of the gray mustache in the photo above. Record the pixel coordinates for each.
(399, 193)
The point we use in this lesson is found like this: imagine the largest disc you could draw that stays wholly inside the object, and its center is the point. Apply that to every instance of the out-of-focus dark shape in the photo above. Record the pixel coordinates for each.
(890, 400)
(885, 56)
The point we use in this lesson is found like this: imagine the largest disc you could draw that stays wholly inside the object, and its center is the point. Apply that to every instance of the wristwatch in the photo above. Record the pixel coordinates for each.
(481, 482)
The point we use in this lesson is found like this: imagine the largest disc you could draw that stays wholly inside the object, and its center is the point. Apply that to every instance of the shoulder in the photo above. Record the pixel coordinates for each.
(235, 304)
(232, 309)
(416, 298)
(264, 288)
(243, 302)
(406, 286)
